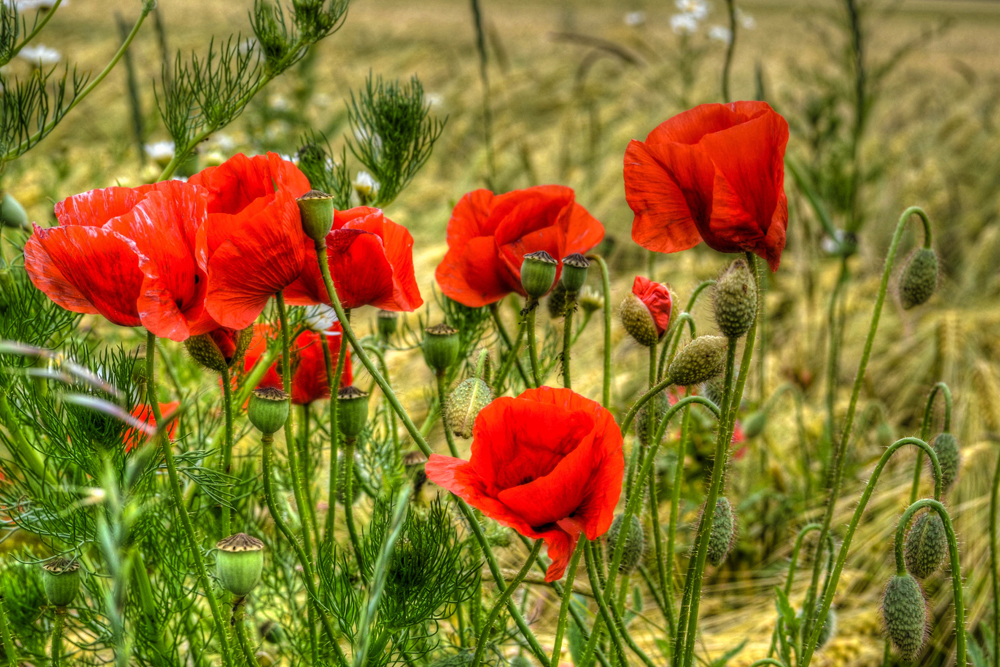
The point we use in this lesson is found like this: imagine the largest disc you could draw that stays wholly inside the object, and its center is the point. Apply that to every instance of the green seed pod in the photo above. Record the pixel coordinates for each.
(918, 281)
(638, 321)
(635, 543)
(574, 273)
(272, 632)
(61, 580)
(538, 273)
(207, 352)
(239, 563)
(316, 212)
(698, 361)
(268, 409)
(556, 303)
(904, 614)
(926, 545)
(464, 404)
(388, 323)
(12, 214)
(590, 300)
(755, 423)
(352, 411)
(950, 457)
(641, 416)
(723, 534)
(440, 347)
(735, 300)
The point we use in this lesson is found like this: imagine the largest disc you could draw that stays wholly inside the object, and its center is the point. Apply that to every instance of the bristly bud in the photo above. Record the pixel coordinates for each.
(662, 404)
(440, 347)
(638, 321)
(635, 543)
(713, 389)
(950, 457)
(12, 214)
(904, 614)
(735, 300)
(590, 300)
(723, 533)
(316, 209)
(754, 424)
(538, 273)
(388, 324)
(61, 580)
(464, 404)
(574, 273)
(219, 349)
(698, 361)
(239, 563)
(556, 303)
(352, 411)
(885, 433)
(268, 409)
(919, 278)
(926, 545)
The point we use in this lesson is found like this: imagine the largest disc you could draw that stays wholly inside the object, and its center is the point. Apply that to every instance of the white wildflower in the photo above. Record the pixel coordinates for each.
(696, 8)
(634, 19)
(683, 24)
(321, 318)
(745, 19)
(720, 34)
(40, 55)
(160, 152)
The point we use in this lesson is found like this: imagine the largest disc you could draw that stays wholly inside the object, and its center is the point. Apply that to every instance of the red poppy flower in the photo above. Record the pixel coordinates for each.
(132, 438)
(308, 366)
(252, 244)
(488, 237)
(713, 174)
(656, 298)
(127, 254)
(551, 483)
(371, 263)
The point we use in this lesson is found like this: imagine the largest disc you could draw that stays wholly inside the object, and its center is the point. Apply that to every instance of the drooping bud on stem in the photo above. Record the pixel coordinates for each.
(635, 543)
(723, 533)
(949, 456)
(352, 411)
(918, 280)
(388, 323)
(926, 545)
(12, 214)
(268, 409)
(904, 613)
(61, 580)
(464, 404)
(538, 273)
(574, 273)
(698, 361)
(638, 321)
(735, 300)
(239, 563)
(440, 347)
(220, 349)
(316, 209)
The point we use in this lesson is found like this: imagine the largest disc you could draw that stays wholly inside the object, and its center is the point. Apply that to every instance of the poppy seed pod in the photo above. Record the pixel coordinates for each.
(268, 409)
(440, 347)
(352, 407)
(735, 301)
(574, 273)
(918, 280)
(388, 323)
(904, 614)
(638, 321)
(12, 214)
(723, 533)
(464, 404)
(316, 211)
(635, 543)
(61, 580)
(949, 456)
(926, 545)
(698, 361)
(538, 273)
(239, 563)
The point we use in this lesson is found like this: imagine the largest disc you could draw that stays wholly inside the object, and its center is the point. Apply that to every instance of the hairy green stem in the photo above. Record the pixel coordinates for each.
(568, 338)
(442, 390)
(994, 564)
(57, 633)
(667, 582)
(333, 381)
(239, 625)
(730, 49)
(502, 330)
(605, 614)
(536, 374)
(227, 451)
(349, 444)
(925, 431)
(567, 597)
(606, 287)
(305, 463)
(512, 358)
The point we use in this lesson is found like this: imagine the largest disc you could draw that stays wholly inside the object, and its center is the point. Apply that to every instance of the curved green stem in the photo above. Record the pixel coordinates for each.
(227, 451)
(925, 430)
(672, 338)
(567, 596)
(333, 381)
(606, 286)
(667, 582)
(536, 374)
(602, 605)
(442, 399)
(349, 504)
(498, 323)
(512, 358)
(568, 338)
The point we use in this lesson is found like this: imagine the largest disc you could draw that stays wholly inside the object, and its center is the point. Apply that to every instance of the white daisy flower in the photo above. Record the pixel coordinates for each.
(321, 318)
(696, 8)
(160, 152)
(40, 55)
(683, 24)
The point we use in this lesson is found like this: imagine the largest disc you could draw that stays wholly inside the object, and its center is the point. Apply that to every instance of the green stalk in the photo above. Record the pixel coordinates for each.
(57, 633)
(349, 444)
(227, 451)
(606, 286)
(442, 399)
(568, 338)
(602, 605)
(567, 596)
(24, 452)
(692, 300)
(835, 340)
(305, 461)
(8, 640)
(956, 566)
(505, 337)
(925, 431)
(333, 381)
(994, 565)
(239, 624)
(37, 28)
(512, 358)
(840, 447)
(667, 581)
(178, 498)
(615, 622)
(148, 605)
(730, 48)
(483, 639)
(790, 578)
(536, 374)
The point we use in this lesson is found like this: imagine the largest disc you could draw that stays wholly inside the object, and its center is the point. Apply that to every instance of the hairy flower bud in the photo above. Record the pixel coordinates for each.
(219, 349)
(698, 361)
(12, 214)
(574, 273)
(926, 545)
(464, 404)
(352, 411)
(949, 456)
(904, 614)
(316, 212)
(723, 533)
(638, 321)
(919, 278)
(268, 409)
(662, 404)
(735, 300)
(538, 273)
(61, 580)
(388, 323)
(440, 347)
(635, 543)
(239, 563)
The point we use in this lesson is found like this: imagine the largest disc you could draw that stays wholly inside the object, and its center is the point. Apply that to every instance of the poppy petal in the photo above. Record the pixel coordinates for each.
(474, 275)
(471, 218)
(94, 208)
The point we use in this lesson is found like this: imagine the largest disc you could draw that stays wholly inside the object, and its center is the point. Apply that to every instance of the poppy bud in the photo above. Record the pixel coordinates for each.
(272, 632)
(316, 209)
(926, 545)
(698, 361)
(949, 456)
(735, 300)
(638, 321)
(465, 402)
(61, 580)
(556, 303)
(440, 347)
(590, 300)
(754, 424)
(642, 416)
(12, 214)
(635, 543)
(538, 273)
(388, 323)
(714, 389)
(268, 409)
(723, 533)
(904, 613)
(919, 279)
(885, 434)
(352, 411)
(239, 563)
(574, 273)
(219, 349)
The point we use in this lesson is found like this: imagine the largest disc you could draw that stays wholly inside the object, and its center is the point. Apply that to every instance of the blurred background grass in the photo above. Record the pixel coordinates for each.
(563, 112)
